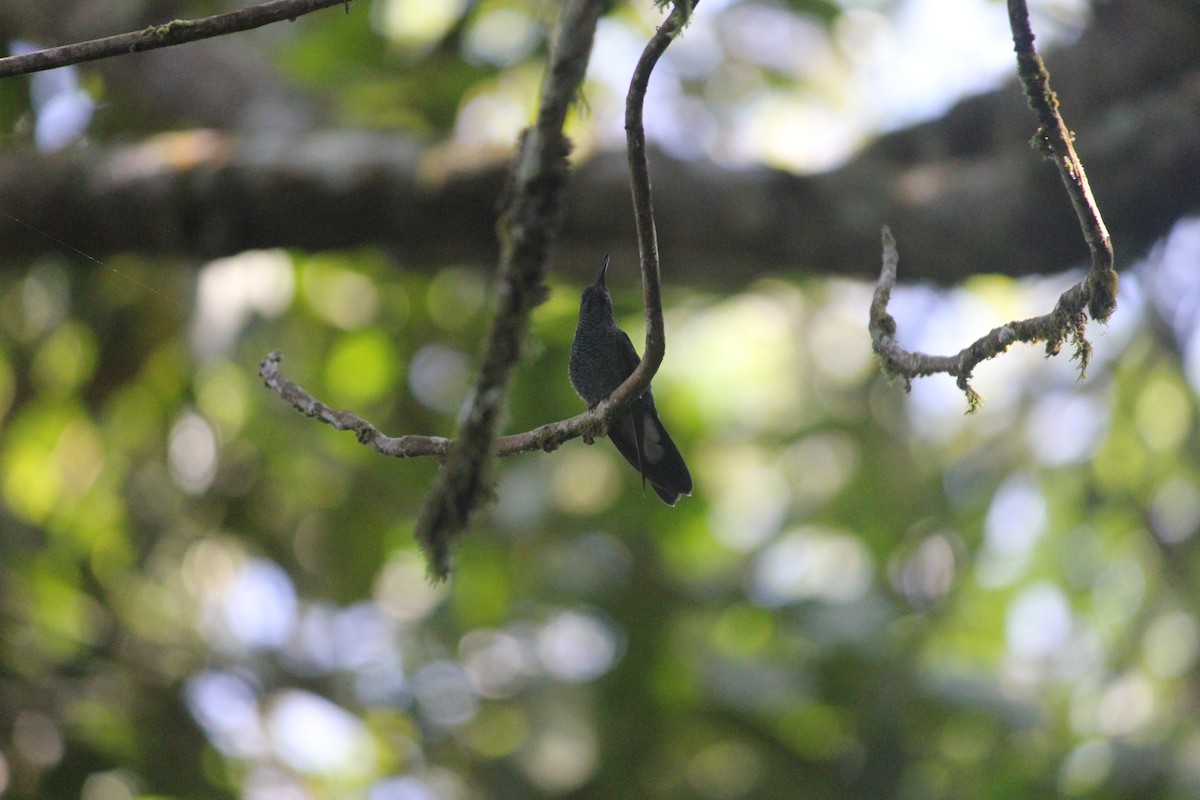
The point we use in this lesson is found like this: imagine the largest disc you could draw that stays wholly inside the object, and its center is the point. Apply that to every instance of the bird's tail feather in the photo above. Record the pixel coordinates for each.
(649, 448)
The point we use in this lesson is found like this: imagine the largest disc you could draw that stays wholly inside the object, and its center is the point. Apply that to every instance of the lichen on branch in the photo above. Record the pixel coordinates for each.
(1095, 295)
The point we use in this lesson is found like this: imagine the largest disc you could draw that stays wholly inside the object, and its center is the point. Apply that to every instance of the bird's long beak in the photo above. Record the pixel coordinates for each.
(603, 271)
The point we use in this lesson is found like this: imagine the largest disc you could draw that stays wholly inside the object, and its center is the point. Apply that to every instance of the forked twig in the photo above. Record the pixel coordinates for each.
(1096, 294)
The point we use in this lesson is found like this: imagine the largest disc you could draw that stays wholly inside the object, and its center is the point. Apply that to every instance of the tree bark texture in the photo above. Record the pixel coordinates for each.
(964, 193)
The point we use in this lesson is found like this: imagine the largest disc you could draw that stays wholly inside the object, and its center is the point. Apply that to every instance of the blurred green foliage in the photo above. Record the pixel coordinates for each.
(205, 594)
(847, 603)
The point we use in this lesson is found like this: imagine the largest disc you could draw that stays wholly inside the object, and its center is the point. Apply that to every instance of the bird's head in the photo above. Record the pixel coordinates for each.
(596, 301)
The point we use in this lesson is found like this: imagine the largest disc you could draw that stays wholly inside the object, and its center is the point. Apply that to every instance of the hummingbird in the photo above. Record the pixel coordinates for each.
(602, 357)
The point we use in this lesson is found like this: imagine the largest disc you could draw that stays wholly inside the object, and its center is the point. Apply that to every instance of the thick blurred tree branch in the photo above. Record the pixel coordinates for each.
(178, 31)
(1095, 294)
(346, 189)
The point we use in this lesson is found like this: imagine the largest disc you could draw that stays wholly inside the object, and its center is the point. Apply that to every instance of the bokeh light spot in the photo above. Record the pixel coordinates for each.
(454, 297)
(586, 481)
(1039, 621)
(108, 786)
(1171, 644)
(361, 368)
(231, 290)
(1163, 414)
(226, 707)
(1126, 705)
(498, 731)
(364, 638)
(45, 297)
(741, 362)
(38, 739)
(1066, 427)
(1016, 519)
(342, 297)
(222, 395)
(502, 36)
(497, 662)
(819, 466)
(725, 770)
(66, 360)
(444, 694)
(417, 24)
(926, 574)
(313, 735)
(812, 563)
(402, 590)
(246, 604)
(192, 454)
(578, 646)
(406, 788)
(751, 498)
(562, 753)
(1175, 510)
(439, 376)
(839, 352)
(1085, 767)
(743, 630)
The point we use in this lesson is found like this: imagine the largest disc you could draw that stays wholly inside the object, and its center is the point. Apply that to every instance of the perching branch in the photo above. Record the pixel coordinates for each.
(1096, 294)
(179, 31)
(545, 438)
(643, 208)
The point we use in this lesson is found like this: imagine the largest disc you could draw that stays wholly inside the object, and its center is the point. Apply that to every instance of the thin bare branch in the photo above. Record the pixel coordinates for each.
(179, 31)
(545, 438)
(1095, 294)
(643, 208)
